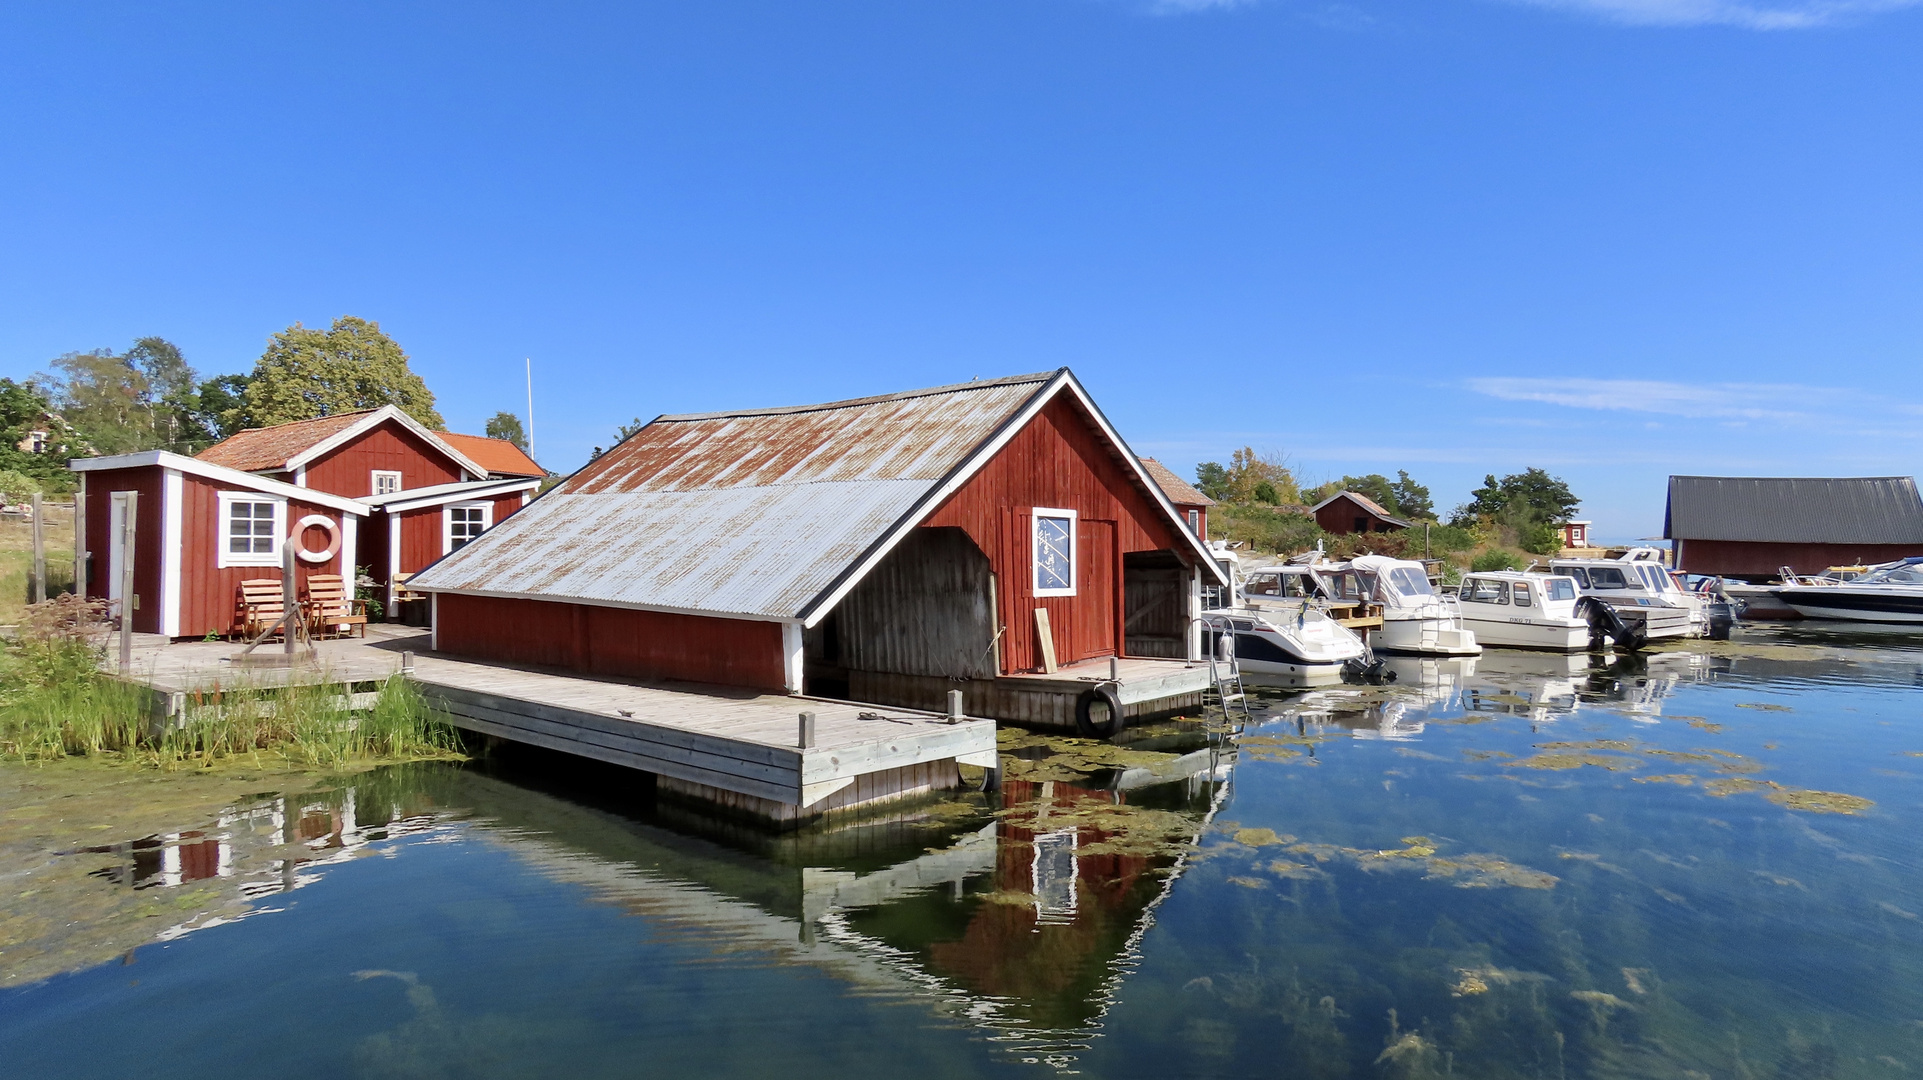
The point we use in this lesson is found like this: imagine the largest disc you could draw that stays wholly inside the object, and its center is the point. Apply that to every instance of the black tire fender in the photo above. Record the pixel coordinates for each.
(1085, 724)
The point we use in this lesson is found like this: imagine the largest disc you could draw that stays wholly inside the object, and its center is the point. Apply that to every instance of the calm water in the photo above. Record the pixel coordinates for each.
(1699, 865)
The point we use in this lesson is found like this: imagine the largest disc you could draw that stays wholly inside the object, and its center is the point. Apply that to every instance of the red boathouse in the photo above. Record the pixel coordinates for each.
(925, 537)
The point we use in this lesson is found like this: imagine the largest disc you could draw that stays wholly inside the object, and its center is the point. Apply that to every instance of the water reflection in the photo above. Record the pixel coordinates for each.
(1694, 863)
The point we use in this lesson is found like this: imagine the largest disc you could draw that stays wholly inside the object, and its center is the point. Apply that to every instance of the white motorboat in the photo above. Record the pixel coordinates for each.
(1762, 601)
(1415, 620)
(1523, 610)
(1639, 587)
(1293, 643)
(1890, 593)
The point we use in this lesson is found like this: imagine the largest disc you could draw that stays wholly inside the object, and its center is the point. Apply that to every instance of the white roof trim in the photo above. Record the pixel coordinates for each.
(400, 501)
(375, 419)
(207, 470)
(818, 608)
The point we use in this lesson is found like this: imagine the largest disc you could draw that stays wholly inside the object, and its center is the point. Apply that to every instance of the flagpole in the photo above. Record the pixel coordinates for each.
(530, 406)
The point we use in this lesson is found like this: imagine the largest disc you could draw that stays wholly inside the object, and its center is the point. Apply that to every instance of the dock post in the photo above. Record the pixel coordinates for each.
(407, 662)
(1115, 669)
(955, 715)
(807, 741)
(128, 601)
(39, 554)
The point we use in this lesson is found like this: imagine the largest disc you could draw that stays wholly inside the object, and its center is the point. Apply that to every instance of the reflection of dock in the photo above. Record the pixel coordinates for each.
(1146, 687)
(735, 749)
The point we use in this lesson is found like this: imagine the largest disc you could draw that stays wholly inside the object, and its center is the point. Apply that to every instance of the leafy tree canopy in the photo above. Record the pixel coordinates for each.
(1530, 497)
(24, 411)
(351, 365)
(108, 401)
(506, 425)
(1212, 479)
(1249, 478)
(621, 433)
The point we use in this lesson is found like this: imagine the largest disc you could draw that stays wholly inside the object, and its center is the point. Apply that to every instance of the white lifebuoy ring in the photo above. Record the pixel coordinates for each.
(316, 521)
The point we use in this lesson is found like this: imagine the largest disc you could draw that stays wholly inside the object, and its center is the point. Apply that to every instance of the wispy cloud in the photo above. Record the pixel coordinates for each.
(1190, 7)
(1748, 14)
(1702, 401)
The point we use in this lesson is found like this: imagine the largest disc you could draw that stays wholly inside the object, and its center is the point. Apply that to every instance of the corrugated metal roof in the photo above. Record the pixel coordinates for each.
(1178, 490)
(498, 456)
(751, 513)
(261, 449)
(1795, 510)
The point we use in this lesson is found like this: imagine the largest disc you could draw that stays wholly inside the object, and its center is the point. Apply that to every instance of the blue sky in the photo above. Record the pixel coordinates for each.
(1614, 238)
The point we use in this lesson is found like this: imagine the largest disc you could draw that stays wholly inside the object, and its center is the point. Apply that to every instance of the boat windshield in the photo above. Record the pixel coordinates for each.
(1485, 591)
(1410, 582)
(1559, 588)
(1895, 575)
(1275, 583)
(1604, 578)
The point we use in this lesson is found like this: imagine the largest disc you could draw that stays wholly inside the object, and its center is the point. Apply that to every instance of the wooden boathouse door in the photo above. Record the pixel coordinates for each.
(1096, 627)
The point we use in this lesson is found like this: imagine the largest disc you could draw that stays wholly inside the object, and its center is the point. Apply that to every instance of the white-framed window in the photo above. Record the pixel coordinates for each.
(1195, 522)
(386, 481)
(1053, 551)
(462, 522)
(251, 528)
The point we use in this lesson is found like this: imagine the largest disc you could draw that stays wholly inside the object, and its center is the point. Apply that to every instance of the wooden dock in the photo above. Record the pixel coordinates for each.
(733, 749)
(1146, 687)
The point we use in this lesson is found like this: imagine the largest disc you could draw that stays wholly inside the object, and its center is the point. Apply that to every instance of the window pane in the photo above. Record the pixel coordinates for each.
(1522, 594)
(1054, 553)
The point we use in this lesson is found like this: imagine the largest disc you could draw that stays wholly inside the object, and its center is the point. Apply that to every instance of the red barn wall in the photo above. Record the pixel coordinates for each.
(612, 641)
(1763, 560)
(1058, 460)
(148, 529)
(1339, 517)
(349, 470)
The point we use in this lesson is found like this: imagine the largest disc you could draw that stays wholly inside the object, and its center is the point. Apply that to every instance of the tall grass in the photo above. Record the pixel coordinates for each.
(56, 703)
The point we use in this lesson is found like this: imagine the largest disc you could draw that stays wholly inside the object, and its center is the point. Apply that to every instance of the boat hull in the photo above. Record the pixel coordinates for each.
(1522, 634)
(1844, 603)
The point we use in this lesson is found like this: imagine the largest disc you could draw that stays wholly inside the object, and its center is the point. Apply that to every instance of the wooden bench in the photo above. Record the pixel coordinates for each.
(257, 606)
(331, 611)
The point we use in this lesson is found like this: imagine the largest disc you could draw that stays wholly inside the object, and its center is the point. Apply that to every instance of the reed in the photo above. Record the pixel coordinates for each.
(56, 703)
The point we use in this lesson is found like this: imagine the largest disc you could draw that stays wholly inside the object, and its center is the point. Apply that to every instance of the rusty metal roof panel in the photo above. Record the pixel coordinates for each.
(752, 513)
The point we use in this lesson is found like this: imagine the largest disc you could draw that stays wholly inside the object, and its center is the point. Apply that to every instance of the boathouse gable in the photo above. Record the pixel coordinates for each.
(1348, 512)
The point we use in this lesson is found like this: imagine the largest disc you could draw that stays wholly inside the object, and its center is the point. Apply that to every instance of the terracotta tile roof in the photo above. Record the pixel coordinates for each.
(1178, 490)
(262, 449)
(498, 456)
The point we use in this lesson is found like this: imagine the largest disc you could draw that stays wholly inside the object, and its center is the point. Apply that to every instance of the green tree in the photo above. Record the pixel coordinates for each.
(171, 394)
(105, 397)
(24, 411)
(1377, 487)
(1212, 479)
(1412, 499)
(220, 408)
(351, 365)
(621, 433)
(506, 425)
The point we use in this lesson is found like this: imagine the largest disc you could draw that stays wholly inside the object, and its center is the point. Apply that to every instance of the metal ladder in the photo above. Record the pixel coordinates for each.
(1225, 671)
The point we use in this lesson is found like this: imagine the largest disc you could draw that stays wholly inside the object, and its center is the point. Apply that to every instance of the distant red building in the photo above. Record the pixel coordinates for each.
(1752, 526)
(1189, 502)
(373, 489)
(1350, 512)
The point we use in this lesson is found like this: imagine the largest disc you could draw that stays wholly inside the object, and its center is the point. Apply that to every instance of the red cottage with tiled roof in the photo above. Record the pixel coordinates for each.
(374, 490)
(502, 459)
(1352, 512)
(1191, 503)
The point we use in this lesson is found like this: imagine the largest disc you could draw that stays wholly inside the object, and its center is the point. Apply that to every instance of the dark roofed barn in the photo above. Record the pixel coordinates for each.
(1352, 512)
(1752, 526)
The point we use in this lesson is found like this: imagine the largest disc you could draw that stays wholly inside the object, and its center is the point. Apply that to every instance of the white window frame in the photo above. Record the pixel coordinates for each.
(379, 474)
(225, 558)
(1034, 546)
(447, 521)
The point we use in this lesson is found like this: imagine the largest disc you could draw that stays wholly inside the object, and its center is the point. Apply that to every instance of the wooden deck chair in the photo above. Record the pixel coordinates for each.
(257, 605)
(332, 612)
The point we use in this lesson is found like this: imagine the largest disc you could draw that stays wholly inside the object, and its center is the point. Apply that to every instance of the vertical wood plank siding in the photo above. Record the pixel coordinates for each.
(923, 611)
(613, 641)
(1764, 560)
(1058, 460)
(349, 471)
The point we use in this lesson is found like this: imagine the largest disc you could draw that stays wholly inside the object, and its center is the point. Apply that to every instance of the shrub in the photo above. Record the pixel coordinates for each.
(16, 487)
(1496, 559)
(1540, 538)
(1451, 538)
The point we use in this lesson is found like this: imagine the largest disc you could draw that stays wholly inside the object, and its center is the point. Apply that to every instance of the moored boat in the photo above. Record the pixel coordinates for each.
(1523, 610)
(1639, 587)
(1891, 593)
(1415, 619)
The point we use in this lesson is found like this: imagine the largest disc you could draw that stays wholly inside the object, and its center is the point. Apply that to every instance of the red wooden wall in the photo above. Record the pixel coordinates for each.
(1755, 559)
(421, 536)
(207, 591)
(147, 547)
(1339, 517)
(1061, 460)
(612, 641)
(349, 470)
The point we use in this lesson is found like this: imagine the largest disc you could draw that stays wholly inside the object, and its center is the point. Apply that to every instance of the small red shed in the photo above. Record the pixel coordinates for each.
(1351, 512)
(1189, 502)
(912, 535)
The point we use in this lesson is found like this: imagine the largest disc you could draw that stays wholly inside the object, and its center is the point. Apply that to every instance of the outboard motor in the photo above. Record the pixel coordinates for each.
(1605, 619)
(1368, 668)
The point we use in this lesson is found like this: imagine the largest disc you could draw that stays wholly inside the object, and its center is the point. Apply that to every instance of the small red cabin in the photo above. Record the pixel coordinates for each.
(374, 490)
(1350, 512)
(929, 535)
(1189, 502)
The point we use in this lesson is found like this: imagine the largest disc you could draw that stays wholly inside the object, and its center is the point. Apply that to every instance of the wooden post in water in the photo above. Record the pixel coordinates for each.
(39, 553)
(955, 715)
(128, 601)
(287, 597)
(807, 733)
